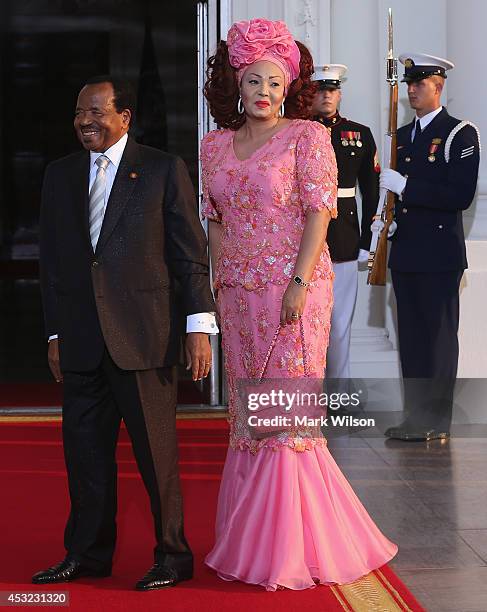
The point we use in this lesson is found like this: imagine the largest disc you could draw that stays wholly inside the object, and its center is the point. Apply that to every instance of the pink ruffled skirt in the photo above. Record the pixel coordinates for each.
(291, 519)
(286, 514)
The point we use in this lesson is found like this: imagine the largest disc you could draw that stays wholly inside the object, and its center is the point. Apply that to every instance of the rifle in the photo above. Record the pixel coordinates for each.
(385, 209)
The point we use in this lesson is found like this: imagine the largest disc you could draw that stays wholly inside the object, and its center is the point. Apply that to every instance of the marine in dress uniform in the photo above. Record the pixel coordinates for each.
(348, 241)
(436, 178)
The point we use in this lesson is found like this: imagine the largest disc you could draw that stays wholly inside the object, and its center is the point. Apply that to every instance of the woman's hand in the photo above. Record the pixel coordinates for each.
(293, 303)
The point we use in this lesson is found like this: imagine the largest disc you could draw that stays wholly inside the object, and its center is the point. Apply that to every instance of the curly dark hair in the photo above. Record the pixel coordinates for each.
(222, 91)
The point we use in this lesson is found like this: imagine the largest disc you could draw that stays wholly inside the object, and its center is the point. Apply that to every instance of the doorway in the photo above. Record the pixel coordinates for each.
(48, 50)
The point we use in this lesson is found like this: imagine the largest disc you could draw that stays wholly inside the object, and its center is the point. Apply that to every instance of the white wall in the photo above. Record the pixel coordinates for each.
(354, 32)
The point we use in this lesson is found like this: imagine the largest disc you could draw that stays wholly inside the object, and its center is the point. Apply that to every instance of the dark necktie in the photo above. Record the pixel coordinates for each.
(417, 133)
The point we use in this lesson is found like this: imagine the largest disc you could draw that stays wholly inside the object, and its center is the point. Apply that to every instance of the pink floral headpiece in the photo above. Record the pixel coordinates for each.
(260, 39)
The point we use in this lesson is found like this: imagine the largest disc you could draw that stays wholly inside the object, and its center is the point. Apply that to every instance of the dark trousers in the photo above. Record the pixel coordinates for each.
(427, 318)
(94, 404)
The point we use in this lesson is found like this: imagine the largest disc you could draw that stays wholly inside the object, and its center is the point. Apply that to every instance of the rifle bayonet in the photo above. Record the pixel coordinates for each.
(391, 60)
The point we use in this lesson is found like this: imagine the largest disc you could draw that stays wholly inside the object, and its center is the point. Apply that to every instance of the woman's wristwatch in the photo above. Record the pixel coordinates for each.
(299, 281)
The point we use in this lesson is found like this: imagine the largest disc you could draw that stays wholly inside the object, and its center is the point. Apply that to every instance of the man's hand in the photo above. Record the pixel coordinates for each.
(198, 354)
(392, 181)
(53, 359)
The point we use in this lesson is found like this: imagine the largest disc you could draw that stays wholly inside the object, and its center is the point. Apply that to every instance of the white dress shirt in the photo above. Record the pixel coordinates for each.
(425, 121)
(203, 322)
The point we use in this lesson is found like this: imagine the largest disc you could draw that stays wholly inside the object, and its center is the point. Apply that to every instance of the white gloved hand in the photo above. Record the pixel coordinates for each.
(363, 255)
(392, 181)
(392, 228)
(378, 226)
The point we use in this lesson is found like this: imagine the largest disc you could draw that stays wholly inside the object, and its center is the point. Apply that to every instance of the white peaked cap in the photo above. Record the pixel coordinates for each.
(329, 72)
(420, 66)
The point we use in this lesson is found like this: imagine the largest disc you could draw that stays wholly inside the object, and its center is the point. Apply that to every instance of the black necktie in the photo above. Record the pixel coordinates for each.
(417, 133)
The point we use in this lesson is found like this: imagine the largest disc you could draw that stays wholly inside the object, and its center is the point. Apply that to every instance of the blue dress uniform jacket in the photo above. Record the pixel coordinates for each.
(429, 235)
(427, 260)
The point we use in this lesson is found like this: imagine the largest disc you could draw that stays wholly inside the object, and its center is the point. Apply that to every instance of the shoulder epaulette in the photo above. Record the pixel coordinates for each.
(454, 132)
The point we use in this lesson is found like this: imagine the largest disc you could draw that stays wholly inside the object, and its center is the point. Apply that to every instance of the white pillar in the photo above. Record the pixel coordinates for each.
(467, 92)
(372, 352)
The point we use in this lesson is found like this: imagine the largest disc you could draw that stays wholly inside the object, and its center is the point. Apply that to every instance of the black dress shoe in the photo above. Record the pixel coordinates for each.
(67, 570)
(416, 434)
(160, 576)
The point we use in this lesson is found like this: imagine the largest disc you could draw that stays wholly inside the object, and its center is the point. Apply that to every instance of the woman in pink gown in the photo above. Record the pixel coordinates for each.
(286, 517)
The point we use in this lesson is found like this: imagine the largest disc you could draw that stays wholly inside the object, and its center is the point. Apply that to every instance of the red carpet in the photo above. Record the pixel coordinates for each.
(49, 394)
(35, 503)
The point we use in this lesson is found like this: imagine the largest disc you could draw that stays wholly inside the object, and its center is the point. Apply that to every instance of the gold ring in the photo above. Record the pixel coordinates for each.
(295, 315)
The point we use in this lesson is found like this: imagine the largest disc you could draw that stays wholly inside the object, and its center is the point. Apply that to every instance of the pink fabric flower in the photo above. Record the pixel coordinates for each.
(258, 29)
(257, 39)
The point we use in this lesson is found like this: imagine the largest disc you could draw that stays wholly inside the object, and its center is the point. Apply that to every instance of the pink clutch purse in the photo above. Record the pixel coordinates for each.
(259, 431)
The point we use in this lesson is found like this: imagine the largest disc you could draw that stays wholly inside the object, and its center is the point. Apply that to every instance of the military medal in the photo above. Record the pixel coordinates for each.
(359, 143)
(352, 143)
(433, 148)
(347, 138)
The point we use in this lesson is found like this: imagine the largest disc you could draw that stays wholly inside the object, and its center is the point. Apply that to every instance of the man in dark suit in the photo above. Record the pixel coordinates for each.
(119, 230)
(348, 241)
(436, 179)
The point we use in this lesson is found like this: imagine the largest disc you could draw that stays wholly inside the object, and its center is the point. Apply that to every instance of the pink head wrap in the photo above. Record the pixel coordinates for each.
(260, 39)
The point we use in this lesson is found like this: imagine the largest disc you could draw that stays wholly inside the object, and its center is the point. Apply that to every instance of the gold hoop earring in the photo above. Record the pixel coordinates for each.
(281, 110)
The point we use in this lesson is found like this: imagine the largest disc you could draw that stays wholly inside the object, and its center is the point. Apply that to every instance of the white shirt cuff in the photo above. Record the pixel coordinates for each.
(55, 337)
(203, 322)
(363, 255)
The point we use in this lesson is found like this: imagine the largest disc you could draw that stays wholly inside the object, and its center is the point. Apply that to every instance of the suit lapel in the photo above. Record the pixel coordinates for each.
(440, 117)
(121, 192)
(80, 183)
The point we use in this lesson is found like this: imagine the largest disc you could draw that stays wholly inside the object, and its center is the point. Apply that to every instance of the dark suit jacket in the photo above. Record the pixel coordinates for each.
(429, 235)
(123, 296)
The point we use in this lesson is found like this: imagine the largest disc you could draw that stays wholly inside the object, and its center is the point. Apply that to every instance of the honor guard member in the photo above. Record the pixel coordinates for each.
(357, 161)
(436, 178)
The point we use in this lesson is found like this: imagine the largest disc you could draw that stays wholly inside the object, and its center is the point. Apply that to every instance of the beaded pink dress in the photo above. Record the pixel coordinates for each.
(286, 516)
